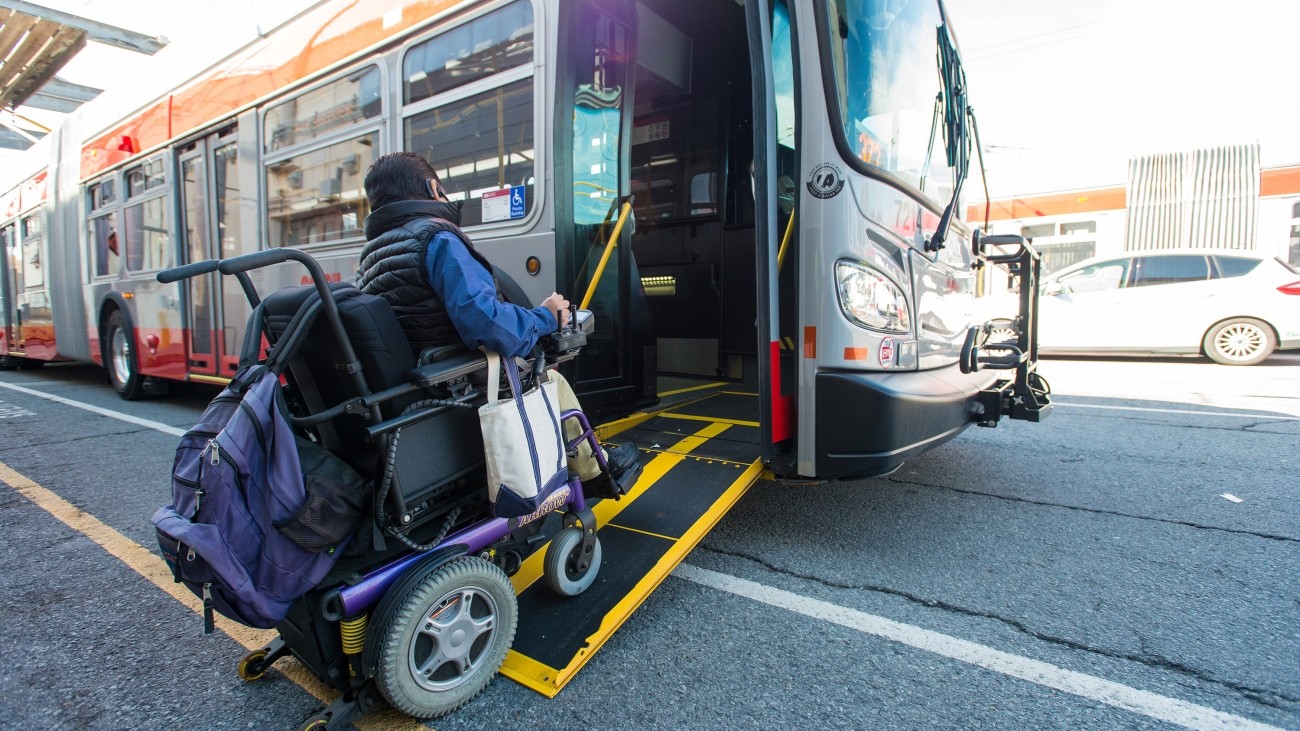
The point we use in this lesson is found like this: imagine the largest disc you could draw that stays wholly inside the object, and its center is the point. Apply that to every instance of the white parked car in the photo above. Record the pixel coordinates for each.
(1234, 307)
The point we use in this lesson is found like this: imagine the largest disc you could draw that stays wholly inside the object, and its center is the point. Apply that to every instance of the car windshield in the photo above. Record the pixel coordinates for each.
(887, 88)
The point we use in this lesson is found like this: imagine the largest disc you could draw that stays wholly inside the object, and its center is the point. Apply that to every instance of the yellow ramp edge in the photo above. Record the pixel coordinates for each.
(549, 681)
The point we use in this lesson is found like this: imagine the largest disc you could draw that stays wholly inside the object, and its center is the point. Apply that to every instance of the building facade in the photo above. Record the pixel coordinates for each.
(1216, 198)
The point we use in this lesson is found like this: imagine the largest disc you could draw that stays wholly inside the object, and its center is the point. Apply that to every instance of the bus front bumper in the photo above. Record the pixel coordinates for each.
(870, 423)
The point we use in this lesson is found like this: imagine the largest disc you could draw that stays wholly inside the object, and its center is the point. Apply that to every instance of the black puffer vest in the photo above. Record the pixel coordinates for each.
(392, 267)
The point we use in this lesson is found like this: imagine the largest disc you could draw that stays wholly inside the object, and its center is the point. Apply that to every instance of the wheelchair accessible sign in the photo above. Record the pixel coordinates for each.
(504, 204)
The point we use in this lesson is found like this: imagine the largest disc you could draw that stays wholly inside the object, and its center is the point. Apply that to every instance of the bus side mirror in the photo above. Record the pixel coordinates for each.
(1051, 289)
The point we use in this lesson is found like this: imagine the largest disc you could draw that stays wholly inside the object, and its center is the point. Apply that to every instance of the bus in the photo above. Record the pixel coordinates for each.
(758, 200)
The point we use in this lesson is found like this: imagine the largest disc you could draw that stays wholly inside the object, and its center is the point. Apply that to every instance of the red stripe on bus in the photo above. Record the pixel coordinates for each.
(782, 406)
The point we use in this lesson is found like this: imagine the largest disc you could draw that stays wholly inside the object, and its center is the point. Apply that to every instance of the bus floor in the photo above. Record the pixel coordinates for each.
(700, 454)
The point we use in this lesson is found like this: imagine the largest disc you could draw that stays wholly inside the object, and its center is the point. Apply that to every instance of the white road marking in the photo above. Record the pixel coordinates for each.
(164, 428)
(1177, 411)
(1111, 693)
(10, 411)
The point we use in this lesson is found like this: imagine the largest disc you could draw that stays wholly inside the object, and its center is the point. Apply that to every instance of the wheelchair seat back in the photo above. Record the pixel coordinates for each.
(433, 456)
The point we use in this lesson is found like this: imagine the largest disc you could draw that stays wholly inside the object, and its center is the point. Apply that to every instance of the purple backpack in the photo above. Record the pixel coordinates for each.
(258, 515)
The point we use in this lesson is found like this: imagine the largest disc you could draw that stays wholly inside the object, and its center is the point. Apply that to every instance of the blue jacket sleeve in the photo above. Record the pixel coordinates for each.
(468, 292)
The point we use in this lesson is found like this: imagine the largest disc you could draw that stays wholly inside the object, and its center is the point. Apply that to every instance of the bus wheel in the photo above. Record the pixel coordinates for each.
(119, 357)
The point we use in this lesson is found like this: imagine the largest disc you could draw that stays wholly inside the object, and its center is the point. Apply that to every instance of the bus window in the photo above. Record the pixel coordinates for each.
(342, 103)
(33, 272)
(147, 244)
(227, 195)
(100, 199)
(101, 194)
(500, 40)
(144, 178)
(317, 197)
(103, 243)
(481, 145)
(146, 241)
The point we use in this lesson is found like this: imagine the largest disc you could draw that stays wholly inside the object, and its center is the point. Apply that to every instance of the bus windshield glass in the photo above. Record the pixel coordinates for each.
(887, 92)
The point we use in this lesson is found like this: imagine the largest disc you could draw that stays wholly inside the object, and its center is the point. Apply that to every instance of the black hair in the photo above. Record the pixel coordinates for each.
(398, 176)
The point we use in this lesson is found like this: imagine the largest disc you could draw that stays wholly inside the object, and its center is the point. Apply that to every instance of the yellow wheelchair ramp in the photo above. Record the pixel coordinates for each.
(699, 460)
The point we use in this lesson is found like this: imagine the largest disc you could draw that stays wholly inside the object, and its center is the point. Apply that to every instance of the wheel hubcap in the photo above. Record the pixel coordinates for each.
(453, 639)
(1239, 341)
(120, 355)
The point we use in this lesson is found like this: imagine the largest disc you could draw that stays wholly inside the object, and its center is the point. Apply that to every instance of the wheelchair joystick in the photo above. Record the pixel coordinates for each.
(574, 335)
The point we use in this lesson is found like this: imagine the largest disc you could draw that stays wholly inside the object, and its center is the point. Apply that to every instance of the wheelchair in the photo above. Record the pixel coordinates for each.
(418, 612)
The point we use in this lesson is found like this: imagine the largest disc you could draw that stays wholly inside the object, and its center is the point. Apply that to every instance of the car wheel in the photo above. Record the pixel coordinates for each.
(1239, 341)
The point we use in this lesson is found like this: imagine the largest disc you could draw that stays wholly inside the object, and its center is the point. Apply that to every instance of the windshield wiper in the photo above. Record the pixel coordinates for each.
(956, 140)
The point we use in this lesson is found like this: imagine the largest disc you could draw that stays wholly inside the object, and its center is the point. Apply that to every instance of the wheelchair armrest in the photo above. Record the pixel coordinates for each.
(447, 369)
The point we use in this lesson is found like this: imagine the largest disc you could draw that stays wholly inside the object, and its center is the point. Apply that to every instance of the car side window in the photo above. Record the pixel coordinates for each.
(1099, 277)
(1234, 266)
(1152, 270)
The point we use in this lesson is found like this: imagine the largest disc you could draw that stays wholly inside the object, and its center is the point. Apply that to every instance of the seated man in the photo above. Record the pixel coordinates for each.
(443, 291)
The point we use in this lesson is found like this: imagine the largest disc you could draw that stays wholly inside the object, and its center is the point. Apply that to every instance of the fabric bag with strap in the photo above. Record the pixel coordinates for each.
(522, 441)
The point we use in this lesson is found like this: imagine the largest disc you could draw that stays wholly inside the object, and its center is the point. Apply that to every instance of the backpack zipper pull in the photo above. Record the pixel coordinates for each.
(207, 608)
(215, 458)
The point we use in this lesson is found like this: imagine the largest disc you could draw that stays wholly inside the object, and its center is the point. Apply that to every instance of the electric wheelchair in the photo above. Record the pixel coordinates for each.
(418, 612)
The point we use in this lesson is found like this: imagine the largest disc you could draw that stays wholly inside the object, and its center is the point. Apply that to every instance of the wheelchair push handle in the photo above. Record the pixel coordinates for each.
(185, 271)
(255, 260)
(207, 266)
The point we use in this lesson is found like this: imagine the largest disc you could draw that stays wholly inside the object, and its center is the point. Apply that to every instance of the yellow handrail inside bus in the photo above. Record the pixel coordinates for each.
(604, 258)
(785, 241)
(600, 235)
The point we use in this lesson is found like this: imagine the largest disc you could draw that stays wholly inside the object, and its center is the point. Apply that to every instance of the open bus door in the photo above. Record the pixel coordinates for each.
(209, 196)
(9, 272)
(776, 166)
(593, 126)
(655, 114)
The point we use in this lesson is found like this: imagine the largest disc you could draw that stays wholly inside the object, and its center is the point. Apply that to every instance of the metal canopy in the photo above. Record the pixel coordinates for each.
(35, 42)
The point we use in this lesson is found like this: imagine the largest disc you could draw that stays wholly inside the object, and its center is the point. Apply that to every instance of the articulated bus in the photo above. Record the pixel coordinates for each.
(755, 198)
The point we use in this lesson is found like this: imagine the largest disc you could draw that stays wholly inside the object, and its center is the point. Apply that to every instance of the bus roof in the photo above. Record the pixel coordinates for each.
(315, 40)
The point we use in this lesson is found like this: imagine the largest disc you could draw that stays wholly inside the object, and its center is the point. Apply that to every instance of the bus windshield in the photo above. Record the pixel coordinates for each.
(887, 90)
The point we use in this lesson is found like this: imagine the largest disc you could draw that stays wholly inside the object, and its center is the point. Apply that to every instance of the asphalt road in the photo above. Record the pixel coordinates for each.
(1132, 562)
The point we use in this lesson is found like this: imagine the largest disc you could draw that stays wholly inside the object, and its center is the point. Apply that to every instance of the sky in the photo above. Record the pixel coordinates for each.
(1065, 91)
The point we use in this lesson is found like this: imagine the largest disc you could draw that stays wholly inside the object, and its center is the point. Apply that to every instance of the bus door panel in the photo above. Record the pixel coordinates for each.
(592, 168)
(210, 209)
(9, 267)
(776, 400)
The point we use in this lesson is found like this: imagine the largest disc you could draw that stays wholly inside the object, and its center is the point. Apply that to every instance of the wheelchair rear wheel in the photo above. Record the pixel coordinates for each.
(448, 636)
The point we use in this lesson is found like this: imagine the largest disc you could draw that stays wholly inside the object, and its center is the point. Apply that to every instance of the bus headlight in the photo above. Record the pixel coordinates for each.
(870, 299)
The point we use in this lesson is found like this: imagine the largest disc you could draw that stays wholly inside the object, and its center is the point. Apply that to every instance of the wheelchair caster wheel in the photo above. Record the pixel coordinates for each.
(253, 666)
(566, 570)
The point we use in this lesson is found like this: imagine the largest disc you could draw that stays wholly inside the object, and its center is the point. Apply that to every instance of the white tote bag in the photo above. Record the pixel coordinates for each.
(522, 440)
